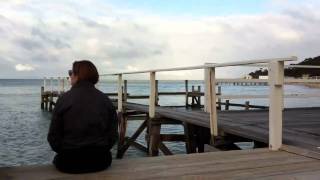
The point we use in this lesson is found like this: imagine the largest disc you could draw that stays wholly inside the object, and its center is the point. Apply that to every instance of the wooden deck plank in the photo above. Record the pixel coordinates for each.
(260, 163)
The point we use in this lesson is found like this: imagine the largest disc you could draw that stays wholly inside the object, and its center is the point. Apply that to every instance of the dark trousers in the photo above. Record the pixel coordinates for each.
(83, 160)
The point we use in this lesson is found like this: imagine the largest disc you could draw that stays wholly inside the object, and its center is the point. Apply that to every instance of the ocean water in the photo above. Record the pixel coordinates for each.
(24, 126)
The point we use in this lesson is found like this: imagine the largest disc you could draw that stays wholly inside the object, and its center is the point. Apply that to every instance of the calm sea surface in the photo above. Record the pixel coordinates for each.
(24, 126)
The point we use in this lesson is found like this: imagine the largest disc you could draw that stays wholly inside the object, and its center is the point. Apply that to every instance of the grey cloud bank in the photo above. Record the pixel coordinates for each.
(48, 36)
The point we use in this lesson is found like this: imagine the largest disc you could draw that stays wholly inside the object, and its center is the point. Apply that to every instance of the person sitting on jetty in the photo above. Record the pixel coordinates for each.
(83, 128)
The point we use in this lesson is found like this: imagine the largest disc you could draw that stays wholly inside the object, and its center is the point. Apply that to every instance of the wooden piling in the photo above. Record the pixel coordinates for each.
(120, 94)
(190, 138)
(187, 91)
(42, 97)
(51, 101)
(46, 101)
(227, 105)
(247, 105)
(192, 98)
(154, 125)
(122, 133)
(199, 97)
(155, 130)
(125, 90)
(219, 99)
(157, 93)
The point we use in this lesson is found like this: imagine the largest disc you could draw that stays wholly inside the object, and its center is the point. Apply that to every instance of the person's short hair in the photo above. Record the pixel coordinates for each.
(86, 71)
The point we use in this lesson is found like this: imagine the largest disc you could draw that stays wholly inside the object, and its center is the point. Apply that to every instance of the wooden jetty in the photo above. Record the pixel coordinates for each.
(210, 127)
(207, 124)
(301, 127)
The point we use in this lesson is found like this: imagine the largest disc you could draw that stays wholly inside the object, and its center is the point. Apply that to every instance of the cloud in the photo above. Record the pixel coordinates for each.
(107, 63)
(119, 39)
(24, 67)
(132, 68)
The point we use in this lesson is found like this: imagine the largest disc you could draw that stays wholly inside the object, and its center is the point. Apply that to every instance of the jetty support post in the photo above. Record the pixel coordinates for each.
(276, 80)
(247, 105)
(42, 97)
(121, 120)
(50, 96)
(125, 90)
(187, 92)
(157, 93)
(42, 92)
(120, 105)
(155, 125)
(219, 99)
(210, 101)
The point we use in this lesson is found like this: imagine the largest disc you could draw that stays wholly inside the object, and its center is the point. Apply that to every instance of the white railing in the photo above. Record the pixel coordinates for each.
(275, 81)
(58, 84)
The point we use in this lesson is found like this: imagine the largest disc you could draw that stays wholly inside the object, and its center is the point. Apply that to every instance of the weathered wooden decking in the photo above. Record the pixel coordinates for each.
(301, 126)
(289, 163)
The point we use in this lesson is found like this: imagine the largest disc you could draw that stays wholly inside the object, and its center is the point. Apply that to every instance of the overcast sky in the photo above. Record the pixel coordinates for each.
(42, 38)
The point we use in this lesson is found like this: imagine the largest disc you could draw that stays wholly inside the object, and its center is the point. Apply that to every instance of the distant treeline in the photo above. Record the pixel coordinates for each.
(294, 72)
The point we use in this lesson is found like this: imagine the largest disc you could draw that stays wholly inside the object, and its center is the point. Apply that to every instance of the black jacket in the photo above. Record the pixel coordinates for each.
(82, 118)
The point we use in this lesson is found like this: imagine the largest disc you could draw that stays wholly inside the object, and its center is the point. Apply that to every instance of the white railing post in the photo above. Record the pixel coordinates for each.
(44, 83)
(276, 79)
(152, 97)
(68, 83)
(51, 84)
(63, 85)
(120, 105)
(59, 84)
(206, 90)
(210, 101)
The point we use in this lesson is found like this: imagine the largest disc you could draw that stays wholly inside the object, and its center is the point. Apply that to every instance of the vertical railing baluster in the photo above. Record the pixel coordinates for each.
(51, 84)
(155, 126)
(44, 83)
(276, 79)
(210, 101)
(63, 85)
(187, 91)
(152, 98)
(120, 105)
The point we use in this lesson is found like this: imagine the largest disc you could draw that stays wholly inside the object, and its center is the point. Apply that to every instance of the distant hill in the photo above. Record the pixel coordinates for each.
(293, 72)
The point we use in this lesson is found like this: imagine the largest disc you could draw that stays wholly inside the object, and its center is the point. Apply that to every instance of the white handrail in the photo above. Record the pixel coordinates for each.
(304, 66)
(158, 70)
(241, 63)
(287, 66)
(276, 81)
(287, 80)
(207, 65)
(53, 84)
